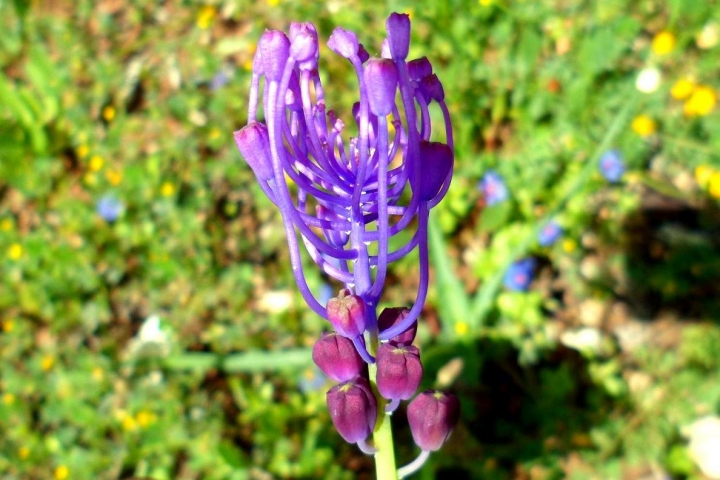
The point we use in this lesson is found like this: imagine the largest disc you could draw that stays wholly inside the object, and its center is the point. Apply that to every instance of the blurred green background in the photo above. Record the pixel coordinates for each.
(150, 324)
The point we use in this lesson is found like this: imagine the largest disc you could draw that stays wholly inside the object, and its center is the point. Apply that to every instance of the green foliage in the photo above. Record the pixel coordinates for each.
(171, 343)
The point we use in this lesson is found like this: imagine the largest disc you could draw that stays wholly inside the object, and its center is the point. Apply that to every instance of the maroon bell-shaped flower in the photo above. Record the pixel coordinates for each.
(346, 312)
(390, 316)
(399, 371)
(336, 357)
(353, 409)
(432, 415)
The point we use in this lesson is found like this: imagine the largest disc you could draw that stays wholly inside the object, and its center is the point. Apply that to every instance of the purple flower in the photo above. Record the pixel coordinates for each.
(340, 196)
(219, 80)
(391, 316)
(399, 371)
(353, 409)
(493, 188)
(432, 416)
(336, 357)
(109, 207)
(519, 275)
(549, 233)
(612, 166)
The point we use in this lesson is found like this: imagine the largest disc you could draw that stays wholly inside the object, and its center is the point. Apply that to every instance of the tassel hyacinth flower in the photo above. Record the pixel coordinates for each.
(346, 193)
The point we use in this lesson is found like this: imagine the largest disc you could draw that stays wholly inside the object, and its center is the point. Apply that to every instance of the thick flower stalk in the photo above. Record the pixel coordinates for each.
(346, 198)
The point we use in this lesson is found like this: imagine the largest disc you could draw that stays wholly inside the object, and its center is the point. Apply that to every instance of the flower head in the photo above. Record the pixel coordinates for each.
(493, 188)
(345, 198)
(353, 409)
(549, 233)
(432, 416)
(519, 275)
(643, 125)
(109, 207)
(612, 166)
(663, 43)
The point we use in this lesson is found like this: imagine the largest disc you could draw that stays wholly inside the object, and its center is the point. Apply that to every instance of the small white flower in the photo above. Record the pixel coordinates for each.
(648, 80)
(151, 339)
(708, 37)
(704, 436)
(586, 339)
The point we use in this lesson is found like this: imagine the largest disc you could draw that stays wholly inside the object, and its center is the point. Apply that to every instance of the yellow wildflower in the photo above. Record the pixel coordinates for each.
(569, 245)
(62, 472)
(96, 163)
(205, 16)
(47, 362)
(701, 102)
(714, 185)
(15, 251)
(663, 43)
(644, 125)
(114, 177)
(108, 113)
(682, 89)
(273, 3)
(82, 151)
(90, 179)
(462, 328)
(8, 326)
(167, 189)
(23, 453)
(485, 3)
(8, 399)
(97, 374)
(128, 423)
(144, 418)
(6, 225)
(703, 174)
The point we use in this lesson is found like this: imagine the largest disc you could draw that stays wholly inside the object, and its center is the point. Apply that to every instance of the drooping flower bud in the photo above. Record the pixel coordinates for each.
(419, 68)
(399, 370)
(436, 160)
(398, 32)
(272, 52)
(254, 145)
(391, 316)
(381, 79)
(432, 88)
(343, 42)
(363, 54)
(336, 357)
(353, 409)
(432, 416)
(346, 312)
(304, 45)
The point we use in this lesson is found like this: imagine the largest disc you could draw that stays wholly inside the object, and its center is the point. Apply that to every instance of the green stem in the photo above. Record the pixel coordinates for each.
(385, 467)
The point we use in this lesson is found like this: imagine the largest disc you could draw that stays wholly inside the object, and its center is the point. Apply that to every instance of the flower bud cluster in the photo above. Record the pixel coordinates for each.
(352, 403)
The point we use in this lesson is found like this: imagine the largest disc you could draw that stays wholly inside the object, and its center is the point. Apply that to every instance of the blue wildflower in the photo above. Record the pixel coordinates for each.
(549, 233)
(493, 188)
(109, 207)
(612, 166)
(520, 275)
(219, 80)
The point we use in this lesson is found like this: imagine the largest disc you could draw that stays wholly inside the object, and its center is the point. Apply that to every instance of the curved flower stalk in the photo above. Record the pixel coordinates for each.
(345, 198)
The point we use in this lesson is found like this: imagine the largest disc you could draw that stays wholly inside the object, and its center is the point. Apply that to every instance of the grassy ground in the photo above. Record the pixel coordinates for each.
(169, 342)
